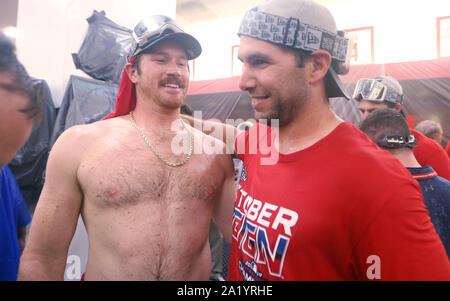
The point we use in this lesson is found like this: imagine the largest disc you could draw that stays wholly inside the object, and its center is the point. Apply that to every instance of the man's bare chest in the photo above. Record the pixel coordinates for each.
(121, 176)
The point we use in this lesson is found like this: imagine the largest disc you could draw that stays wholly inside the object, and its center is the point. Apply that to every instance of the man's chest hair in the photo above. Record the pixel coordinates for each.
(134, 178)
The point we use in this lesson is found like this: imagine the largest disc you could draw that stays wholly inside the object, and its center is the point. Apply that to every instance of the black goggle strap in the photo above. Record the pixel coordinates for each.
(397, 141)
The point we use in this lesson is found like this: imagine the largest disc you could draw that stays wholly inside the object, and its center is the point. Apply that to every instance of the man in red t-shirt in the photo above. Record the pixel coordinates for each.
(386, 92)
(304, 212)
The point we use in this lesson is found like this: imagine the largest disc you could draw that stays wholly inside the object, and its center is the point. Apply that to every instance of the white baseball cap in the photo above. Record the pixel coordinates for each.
(306, 25)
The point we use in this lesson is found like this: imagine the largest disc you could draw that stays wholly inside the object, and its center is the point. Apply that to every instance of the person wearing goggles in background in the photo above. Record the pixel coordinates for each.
(386, 92)
(146, 201)
(333, 206)
(389, 130)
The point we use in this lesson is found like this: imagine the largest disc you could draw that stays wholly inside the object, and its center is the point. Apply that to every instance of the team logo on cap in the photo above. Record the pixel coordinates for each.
(313, 38)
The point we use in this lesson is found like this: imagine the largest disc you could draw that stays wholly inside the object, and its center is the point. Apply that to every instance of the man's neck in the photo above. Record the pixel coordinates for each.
(315, 121)
(405, 156)
(149, 116)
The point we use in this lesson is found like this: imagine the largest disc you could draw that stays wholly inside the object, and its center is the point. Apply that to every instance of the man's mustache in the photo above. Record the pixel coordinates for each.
(173, 81)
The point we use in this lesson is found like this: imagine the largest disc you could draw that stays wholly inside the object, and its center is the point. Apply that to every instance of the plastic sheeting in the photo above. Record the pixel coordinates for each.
(85, 101)
(103, 53)
(29, 163)
(222, 106)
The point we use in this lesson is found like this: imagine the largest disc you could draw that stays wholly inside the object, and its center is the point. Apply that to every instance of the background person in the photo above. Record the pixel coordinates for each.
(19, 111)
(386, 92)
(431, 129)
(389, 130)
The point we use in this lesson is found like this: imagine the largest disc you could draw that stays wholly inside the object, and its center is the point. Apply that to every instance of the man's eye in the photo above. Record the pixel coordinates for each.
(258, 62)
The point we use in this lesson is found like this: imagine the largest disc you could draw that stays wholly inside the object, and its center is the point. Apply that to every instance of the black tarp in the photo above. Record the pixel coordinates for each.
(222, 106)
(103, 53)
(29, 163)
(85, 101)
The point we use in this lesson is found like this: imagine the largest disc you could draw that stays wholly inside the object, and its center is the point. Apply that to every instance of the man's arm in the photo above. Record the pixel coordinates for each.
(429, 152)
(224, 206)
(55, 219)
(401, 243)
(220, 131)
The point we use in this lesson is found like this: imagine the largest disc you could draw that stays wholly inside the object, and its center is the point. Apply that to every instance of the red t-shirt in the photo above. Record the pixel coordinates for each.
(448, 149)
(429, 152)
(341, 209)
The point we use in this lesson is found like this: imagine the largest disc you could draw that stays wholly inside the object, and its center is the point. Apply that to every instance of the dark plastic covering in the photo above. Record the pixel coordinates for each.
(85, 101)
(222, 106)
(104, 51)
(29, 163)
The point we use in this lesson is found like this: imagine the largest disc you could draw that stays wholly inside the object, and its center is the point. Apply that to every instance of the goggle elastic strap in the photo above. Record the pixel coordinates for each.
(398, 141)
(293, 33)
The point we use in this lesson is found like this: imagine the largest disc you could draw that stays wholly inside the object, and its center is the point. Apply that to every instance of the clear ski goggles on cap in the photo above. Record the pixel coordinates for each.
(397, 141)
(153, 29)
(374, 90)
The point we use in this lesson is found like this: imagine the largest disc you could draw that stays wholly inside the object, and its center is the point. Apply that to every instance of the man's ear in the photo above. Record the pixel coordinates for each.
(132, 72)
(321, 61)
(398, 107)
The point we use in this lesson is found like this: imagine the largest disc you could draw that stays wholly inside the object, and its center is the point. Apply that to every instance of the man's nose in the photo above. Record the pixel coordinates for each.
(364, 114)
(247, 81)
(174, 69)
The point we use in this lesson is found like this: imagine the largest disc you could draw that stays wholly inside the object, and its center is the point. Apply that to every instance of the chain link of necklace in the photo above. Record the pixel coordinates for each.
(168, 163)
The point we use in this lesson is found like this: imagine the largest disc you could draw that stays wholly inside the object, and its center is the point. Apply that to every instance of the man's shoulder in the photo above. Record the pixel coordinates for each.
(348, 140)
(7, 178)
(88, 132)
(354, 148)
(445, 183)
(207, 144)
(425, 142)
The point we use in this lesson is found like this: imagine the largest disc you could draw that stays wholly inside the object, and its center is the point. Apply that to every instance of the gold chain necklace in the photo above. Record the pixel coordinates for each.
(170, 164)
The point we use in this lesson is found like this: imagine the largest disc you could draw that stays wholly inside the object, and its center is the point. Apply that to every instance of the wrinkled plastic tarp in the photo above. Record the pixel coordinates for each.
(28, 165)
(103, 53)
(222, 106)
(85, 101)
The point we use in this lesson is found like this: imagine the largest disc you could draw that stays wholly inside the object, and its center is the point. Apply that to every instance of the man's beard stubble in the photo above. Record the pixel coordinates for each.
(286, 110)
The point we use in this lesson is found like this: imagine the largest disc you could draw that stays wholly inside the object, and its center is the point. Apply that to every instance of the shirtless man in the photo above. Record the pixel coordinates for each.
(145, 220)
